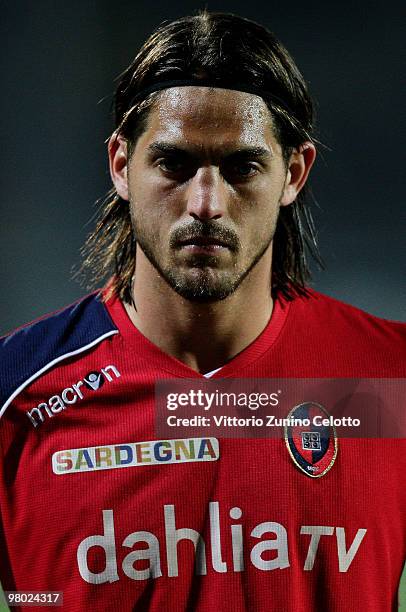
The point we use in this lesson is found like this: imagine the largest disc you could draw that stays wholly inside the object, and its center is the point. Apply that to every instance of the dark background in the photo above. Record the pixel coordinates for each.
(59, 59)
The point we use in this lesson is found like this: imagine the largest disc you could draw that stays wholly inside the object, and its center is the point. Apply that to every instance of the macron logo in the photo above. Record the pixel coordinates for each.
(93, 381)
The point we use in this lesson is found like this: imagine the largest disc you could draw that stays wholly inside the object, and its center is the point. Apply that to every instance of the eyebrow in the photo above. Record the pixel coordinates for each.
(171, 149)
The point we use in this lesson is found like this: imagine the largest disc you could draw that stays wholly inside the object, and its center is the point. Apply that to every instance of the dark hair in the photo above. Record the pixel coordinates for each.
(223, 48)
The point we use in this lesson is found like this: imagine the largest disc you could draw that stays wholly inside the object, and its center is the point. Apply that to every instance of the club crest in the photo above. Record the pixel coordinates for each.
(311, 439)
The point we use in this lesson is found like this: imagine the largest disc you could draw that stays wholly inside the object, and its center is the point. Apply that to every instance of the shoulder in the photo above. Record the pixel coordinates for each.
(324, 310)
(345, 338)
(31, 350)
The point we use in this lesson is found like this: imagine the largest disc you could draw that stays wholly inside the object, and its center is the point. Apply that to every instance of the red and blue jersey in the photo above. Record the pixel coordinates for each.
(94, 504)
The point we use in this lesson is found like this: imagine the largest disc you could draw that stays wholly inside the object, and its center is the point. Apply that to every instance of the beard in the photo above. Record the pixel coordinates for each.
(202, 280)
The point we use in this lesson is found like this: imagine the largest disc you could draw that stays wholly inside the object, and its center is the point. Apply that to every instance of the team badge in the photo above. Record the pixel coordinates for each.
(311, 439)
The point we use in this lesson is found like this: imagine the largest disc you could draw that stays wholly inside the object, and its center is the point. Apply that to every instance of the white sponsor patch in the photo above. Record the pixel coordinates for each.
(135, 454)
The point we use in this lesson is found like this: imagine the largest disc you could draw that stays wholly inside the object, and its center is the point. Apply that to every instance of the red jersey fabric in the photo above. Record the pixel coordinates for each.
(242, 530)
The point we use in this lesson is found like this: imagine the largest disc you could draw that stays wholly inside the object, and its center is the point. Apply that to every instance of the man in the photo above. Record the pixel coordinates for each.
(205, 232)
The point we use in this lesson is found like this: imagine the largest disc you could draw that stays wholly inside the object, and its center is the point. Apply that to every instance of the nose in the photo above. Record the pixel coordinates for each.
(206, 194)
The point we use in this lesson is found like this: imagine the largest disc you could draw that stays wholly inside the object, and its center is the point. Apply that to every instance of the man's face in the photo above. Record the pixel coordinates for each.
(205, 182)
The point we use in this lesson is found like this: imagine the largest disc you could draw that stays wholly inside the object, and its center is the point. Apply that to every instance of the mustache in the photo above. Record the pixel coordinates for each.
(210, 230)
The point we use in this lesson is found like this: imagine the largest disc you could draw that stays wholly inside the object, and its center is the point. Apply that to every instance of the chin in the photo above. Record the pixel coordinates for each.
(202, 297)
(202, 287)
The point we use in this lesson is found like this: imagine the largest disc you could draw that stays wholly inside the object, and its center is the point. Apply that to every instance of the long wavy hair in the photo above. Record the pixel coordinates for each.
(228, 49)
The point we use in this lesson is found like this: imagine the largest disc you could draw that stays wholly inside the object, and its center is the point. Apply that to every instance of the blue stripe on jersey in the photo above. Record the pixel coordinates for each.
(31, 350)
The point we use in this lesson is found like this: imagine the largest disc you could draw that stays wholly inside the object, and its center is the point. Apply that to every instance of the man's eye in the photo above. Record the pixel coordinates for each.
(170, 165)
(242, 170)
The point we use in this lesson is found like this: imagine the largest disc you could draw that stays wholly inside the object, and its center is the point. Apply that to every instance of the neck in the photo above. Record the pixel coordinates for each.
(203, 336)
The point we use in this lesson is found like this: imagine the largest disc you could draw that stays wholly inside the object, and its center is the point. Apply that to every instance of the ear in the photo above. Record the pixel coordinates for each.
(299, 166)
(117, 149)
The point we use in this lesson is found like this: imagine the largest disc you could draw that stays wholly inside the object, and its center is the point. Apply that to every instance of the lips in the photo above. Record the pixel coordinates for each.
(204, 237)
(203, 241)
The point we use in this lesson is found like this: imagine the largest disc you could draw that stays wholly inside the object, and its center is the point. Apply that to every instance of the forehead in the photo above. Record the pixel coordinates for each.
(210, 116)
